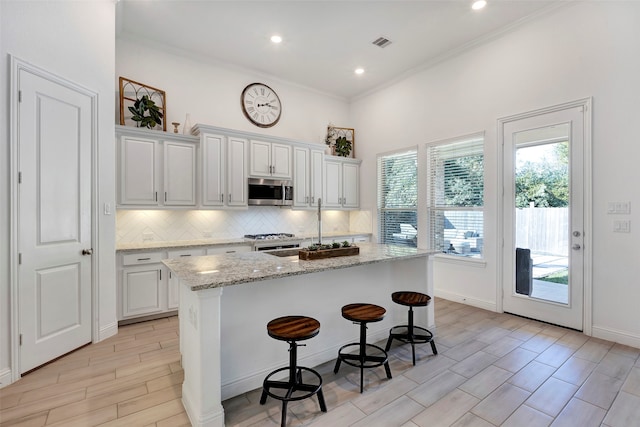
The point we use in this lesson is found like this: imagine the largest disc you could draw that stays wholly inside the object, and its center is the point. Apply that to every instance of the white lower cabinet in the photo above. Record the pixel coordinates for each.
(228, 249)
(146, 287)
(143, 290)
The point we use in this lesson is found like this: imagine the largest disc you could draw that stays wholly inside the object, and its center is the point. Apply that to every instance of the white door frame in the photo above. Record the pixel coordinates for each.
(18, 65)
(586, 104)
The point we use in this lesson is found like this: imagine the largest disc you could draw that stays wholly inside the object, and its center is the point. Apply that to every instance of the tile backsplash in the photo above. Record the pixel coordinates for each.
(159, 225)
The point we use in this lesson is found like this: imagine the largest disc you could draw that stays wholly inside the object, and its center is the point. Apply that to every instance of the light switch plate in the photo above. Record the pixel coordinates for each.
(622, 226)
(618, 207)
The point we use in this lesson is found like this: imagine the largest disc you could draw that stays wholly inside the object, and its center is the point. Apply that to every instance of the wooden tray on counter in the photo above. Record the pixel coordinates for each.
(307, 255)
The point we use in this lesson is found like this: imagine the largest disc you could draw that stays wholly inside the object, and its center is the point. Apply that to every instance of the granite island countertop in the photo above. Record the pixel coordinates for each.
(214, 271)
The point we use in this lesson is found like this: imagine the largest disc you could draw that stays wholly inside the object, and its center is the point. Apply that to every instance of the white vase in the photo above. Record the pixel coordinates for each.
(186, 129)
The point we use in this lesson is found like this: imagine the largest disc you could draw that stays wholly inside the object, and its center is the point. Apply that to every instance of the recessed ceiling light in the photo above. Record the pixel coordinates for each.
(276, 39)
(359, 70)
(478, 4)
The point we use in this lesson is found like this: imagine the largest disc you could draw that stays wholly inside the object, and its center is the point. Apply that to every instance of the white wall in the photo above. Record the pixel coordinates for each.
(211, 93)
(75, 40)
(580, 50)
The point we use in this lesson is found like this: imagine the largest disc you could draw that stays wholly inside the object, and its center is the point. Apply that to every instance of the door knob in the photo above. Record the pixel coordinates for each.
(87, 252)
(576, 234)
(575, 247)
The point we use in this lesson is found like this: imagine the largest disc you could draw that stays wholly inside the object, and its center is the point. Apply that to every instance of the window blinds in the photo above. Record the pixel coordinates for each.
(398, 198)
(456, 196)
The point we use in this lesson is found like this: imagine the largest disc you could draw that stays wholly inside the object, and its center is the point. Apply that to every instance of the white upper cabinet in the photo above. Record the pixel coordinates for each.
(224, 171)
(237, 172)
(139, 172)
(270, 160)
(342, 183)
(307, 179)
(156, 169)
(179, 174)
(212, 155)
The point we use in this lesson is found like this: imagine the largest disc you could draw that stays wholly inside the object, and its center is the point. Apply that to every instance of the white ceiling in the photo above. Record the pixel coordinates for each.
(324, 41)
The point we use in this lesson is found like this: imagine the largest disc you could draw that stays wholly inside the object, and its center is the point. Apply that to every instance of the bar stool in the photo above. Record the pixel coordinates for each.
(363, 314)
(293, 329)
(407, 333)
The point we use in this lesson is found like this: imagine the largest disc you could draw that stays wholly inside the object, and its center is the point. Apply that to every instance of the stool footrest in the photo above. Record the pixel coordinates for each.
(359, 360)
(292, 386)
(401, 333)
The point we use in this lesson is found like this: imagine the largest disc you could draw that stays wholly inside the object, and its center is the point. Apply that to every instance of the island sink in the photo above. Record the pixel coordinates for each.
(283, 252)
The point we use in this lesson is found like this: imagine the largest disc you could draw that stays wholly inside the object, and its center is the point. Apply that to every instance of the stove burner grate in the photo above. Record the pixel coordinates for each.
(270, 236)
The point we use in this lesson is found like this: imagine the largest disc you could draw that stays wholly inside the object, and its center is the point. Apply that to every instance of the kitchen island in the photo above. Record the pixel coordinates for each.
(227, 300)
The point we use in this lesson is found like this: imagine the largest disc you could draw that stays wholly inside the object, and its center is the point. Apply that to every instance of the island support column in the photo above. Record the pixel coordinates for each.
(199, 315)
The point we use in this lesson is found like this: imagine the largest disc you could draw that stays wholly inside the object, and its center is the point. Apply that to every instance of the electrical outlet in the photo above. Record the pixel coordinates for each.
(147, 235)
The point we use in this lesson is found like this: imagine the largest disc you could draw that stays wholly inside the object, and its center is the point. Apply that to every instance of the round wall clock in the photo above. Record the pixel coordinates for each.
(261, 105)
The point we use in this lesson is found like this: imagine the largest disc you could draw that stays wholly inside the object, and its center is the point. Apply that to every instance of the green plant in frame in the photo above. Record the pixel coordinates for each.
(140, 107)
(343, 146)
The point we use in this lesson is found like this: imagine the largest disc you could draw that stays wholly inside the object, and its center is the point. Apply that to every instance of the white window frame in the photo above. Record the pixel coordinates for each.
(430, 203)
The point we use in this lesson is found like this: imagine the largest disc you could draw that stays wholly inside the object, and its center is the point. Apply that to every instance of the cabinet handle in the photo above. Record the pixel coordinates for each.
(165, 196)
(144, 259)
(222, 198)
(160, 271)
(229, 199)
(312, 200)
(170, 275)
(185, 255)
(156, 197)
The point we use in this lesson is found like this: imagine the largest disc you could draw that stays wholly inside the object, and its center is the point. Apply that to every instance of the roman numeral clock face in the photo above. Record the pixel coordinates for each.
(261, 105)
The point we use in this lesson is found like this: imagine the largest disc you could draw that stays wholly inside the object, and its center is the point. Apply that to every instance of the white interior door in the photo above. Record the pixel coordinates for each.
(544, 216)
(54, 219)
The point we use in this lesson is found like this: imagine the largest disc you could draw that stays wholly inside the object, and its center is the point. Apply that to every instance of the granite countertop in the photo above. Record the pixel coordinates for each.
(178, 244)
(189, 244)
(216, 271)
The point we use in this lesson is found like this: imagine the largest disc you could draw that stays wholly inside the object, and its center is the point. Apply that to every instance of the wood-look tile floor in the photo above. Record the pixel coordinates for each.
(492, 370)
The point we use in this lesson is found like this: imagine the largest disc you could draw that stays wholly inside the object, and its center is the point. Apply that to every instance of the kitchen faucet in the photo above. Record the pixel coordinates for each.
(319, 221)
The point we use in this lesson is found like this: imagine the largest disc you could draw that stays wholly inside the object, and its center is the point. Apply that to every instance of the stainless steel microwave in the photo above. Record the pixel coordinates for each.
(270, 192)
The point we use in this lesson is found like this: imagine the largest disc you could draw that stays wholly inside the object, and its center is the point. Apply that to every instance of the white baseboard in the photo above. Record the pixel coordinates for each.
(212, 419)
(5, 377)
(254, 380)
(620, 337)
(108, 331)
(487, 305)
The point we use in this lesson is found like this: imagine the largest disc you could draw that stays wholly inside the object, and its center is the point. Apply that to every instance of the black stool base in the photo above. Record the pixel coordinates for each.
(410, 334)
(292, 386)
(363, 360)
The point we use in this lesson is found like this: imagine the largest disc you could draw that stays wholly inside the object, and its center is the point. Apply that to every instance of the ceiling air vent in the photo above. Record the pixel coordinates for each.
(382, 42)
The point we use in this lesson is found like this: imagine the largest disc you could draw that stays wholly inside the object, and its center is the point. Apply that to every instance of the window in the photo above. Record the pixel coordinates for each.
(398, 198)
(455, 174)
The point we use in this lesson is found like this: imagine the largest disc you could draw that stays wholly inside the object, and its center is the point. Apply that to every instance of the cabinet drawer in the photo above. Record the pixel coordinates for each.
(228, 249)
(186, 253)
(142, 258)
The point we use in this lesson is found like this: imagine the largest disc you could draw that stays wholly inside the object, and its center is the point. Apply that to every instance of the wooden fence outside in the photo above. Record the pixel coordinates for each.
(543, 230)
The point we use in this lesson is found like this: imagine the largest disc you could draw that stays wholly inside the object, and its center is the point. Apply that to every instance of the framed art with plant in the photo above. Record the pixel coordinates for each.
(142, 105)
(341, 140)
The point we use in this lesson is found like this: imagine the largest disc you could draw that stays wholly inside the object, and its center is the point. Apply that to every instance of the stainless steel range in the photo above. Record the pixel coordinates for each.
(265, 242)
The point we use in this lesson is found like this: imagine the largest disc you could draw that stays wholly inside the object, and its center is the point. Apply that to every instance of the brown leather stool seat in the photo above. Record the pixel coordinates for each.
(293, 329)
(363, 314)
(410, 333)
